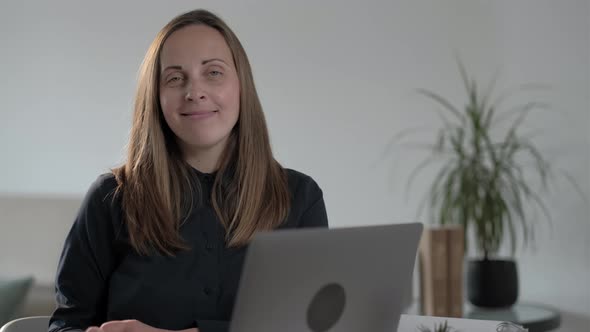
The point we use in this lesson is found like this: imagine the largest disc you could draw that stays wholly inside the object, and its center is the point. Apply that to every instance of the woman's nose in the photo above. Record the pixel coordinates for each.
(195, 92)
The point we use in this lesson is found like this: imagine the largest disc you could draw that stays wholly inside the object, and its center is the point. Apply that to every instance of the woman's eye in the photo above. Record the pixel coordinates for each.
(215, 73)
(174, 79)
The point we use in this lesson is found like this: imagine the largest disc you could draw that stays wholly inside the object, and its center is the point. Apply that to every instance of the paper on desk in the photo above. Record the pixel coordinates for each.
(410, 323)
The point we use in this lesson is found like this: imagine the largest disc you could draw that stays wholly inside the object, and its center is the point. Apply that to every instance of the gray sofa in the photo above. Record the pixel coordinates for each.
(32, 232)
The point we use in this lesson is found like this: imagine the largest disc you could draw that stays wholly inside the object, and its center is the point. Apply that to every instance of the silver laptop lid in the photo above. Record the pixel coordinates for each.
(343, 279)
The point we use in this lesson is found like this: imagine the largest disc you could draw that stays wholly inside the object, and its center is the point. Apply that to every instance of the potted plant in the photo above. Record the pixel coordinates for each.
(442, 327)
(484, 184)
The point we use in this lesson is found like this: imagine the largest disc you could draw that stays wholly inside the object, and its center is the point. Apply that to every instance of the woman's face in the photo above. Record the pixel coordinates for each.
(199, 87)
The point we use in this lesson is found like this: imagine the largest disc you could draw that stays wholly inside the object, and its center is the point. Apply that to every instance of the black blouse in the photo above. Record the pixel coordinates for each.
(100, 278)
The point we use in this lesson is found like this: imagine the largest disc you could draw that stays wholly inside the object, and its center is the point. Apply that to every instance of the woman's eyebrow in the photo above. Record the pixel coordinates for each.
(204, 62)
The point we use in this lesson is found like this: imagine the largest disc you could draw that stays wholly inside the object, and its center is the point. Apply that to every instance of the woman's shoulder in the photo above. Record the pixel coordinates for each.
(103, 186)
(101, 196)
(298, 177)
(307, 202)
(99, 212)
(302, 184)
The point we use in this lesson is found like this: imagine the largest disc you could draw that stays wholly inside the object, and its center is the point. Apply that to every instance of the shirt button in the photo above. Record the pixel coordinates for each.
(207, 291)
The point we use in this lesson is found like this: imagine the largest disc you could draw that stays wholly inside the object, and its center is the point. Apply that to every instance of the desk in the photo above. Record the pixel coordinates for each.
(536, 318)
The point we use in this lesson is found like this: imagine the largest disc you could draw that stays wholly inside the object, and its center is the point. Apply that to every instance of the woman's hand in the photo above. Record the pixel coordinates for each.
(130, 325)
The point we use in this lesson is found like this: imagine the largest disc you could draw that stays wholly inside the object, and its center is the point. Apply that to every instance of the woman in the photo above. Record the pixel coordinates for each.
(159, 243)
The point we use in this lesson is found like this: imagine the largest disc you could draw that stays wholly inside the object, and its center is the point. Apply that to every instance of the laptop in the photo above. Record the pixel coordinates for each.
(320, 280)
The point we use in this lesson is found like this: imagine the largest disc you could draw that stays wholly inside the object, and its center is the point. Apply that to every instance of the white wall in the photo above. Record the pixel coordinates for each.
(548, 41)
(336, 82)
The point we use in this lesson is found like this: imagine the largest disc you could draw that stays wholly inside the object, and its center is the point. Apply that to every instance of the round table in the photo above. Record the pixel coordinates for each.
(536, 318)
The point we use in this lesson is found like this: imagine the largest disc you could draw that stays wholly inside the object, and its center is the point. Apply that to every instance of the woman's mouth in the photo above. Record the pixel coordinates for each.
(199, 114)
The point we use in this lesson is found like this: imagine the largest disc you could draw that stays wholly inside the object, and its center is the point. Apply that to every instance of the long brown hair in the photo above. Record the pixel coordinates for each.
(250, 190)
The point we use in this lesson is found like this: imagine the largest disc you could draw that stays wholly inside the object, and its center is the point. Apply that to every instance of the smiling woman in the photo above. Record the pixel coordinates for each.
(158, 244)
(199, 90)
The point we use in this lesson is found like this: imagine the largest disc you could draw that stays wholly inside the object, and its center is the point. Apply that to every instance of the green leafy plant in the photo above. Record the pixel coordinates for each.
(483, 183)
(442, 327)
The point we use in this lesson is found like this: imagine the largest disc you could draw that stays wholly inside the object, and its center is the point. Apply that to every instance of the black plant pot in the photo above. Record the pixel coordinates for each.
(492, 283)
